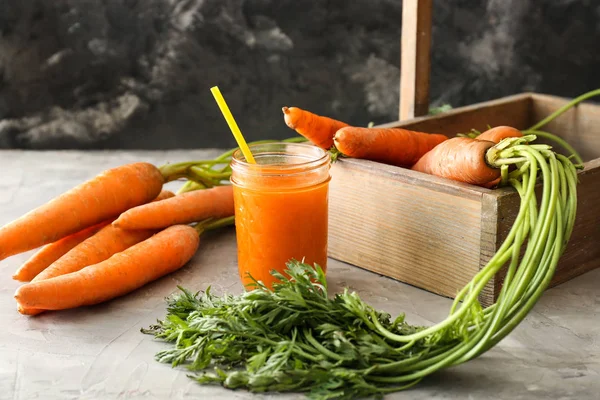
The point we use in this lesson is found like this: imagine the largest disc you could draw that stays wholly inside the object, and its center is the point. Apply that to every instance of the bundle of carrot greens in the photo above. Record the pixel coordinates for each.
(296, 337)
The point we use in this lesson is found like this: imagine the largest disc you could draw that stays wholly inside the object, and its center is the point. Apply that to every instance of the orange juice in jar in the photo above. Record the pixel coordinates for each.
(281, 208)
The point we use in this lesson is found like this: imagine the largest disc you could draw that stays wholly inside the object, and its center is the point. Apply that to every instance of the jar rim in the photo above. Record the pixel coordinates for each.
(315, 157)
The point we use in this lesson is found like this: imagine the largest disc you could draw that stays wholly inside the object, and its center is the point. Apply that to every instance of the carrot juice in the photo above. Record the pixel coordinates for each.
(281, 208)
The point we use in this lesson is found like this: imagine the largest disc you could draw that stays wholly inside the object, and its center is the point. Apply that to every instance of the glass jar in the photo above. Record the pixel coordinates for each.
(281, 208)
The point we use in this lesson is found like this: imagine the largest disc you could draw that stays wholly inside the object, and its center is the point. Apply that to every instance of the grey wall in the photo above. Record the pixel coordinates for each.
(136, 74)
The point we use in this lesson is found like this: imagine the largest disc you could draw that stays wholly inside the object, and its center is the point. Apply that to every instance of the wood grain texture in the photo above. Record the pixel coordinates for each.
(512, 110)
(415, 58)
(580, 126)
(414, 233)
(490, 216)
(381, 216)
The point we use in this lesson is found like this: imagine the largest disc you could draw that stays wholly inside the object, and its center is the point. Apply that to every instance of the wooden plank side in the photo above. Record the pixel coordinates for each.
(579, 126)
(489, 242)
(583, 251)
(507, 210)
(415, 58)
(511, 110)
(420, 179)
(408, 232)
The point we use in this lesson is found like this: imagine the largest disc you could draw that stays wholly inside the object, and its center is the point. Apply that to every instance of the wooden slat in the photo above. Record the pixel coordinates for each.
(415, 59)
(580, 126)
(409, 232)
(420, 179)
(489, 241)
(511, 110)
(583, 251)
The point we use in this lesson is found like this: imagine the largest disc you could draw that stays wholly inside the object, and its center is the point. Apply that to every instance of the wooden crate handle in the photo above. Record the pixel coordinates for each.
(415, 58)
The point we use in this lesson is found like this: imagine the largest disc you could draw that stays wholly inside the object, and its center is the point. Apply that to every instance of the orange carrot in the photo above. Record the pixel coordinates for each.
(29, 311)
(498, 133)
(99, 247)
(495, 135)
(319, 130)
(108, 241)
(124, 272)
(52, 252)
(460, 159)
(216, 202)
(395, 146)
(103, 197)
(103, 245)
(163, 195)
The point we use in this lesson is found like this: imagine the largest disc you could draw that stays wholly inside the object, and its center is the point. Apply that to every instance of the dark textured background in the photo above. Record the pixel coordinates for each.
(137, 73)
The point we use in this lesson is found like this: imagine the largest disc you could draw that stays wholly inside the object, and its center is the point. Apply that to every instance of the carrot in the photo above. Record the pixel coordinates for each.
(140, 264)
(395, 146)
(107, 241)
(104, 196)
(163, 195)
(103, 245)
(460, 159)
(318, 129)
(495, 135)
(216, 202)
(498, 133)
(52, 252)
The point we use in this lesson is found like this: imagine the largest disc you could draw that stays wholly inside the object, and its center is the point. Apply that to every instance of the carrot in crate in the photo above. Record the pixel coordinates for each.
(461, 159)
(395, 146)
(498, 133)
(318, 129)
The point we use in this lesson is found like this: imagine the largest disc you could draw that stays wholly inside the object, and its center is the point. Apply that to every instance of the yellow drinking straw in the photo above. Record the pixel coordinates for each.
(237, 134)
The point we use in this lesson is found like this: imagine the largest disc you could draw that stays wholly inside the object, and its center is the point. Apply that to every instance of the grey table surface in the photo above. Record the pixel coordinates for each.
(99, 353)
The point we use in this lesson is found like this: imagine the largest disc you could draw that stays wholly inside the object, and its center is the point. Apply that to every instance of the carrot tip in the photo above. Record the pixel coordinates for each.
(29, 311)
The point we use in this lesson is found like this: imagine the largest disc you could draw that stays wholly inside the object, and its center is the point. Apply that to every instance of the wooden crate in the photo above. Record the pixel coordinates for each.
(435, 233)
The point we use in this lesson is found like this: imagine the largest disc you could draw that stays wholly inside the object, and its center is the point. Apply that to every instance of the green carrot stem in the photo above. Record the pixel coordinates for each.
(565, 108)
(175, 171)
(210, 174)
(190, 186)
(558, 140)
(198, 175)
(211, 224)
